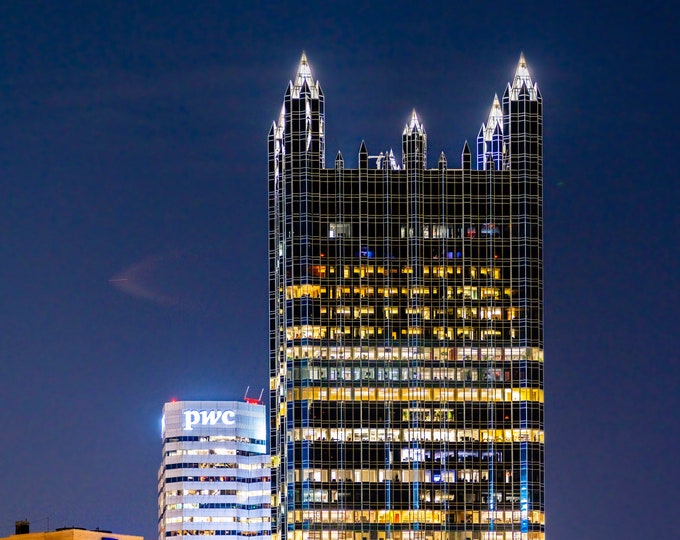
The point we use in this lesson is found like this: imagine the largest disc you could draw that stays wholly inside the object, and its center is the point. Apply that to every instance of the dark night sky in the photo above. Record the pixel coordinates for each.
(133, 143)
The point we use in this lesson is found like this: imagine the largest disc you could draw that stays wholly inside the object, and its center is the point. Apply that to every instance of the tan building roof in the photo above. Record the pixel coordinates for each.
(73, 534)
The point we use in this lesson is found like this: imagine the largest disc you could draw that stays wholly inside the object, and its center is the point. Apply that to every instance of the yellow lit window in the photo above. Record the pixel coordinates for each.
(443, 332)
(319, 271)
(467, 292)
(490, 292)
(420, 291)
(391, 311)
(466, 313)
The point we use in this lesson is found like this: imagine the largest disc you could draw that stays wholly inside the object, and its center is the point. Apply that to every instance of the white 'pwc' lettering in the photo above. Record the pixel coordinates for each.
(191, 418)
(228, 417)
(207, 418)
(210, 418)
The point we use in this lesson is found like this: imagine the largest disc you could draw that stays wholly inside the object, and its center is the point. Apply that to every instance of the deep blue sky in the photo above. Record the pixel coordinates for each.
(133, 141)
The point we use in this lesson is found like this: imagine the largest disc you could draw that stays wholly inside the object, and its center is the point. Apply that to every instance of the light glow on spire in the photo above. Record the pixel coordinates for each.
(522, 77)
(304, 73)
(414, 125)
(495, 119)
(281, 124)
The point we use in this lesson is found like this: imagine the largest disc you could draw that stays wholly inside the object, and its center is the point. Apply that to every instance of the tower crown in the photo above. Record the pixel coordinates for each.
(304, 75)
(495, 119)
(414, 144)
(522, 79)
(414, 126)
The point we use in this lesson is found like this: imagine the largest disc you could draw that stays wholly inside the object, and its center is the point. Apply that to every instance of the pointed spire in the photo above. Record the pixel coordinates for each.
(522, 72)
(495, 120)
(465, 157)
(339, 161)
(393, 162)
(304, 88)
(522, 78)
(363, 156)
(442, 161)
(280, 126)
(304, 71)
(414, 126)
(304, 75)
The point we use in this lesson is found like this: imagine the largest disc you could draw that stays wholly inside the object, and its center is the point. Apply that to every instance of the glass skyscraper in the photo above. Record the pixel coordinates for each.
(406, 330)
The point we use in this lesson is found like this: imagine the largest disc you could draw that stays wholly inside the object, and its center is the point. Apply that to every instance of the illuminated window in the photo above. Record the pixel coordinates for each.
(490, 313)
(364, 332)
(494, 273)
(339, 230)
(364, 291)
(466, 313)
(465, 332)
(363, 311)
(412, 454)
(422, 311)
(388, 291)
(420, 291)
(490, 292)
(486, 334)
(342, 291)
(442, 332)
(442, 231)
(405, 232)
(467, 292)
(512, 313)
(509, 293)
(318, 271)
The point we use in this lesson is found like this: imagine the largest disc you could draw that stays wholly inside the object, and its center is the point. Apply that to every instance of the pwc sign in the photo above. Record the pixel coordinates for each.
(193, 417)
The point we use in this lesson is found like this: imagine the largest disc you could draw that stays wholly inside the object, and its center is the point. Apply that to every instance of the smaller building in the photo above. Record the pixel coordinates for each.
(66, 533)
(214, 478)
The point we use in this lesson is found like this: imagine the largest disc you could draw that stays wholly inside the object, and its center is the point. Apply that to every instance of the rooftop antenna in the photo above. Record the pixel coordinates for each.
(254, 401)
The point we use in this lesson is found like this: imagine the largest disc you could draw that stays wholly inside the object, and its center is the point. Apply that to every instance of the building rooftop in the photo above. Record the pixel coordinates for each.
(70, 533)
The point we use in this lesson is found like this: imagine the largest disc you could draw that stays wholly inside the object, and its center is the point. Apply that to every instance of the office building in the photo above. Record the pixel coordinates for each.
(214, 479)
(406, 329)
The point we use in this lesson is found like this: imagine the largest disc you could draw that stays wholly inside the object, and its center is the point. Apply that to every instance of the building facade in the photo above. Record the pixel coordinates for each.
(214, 479)
(406, 330)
